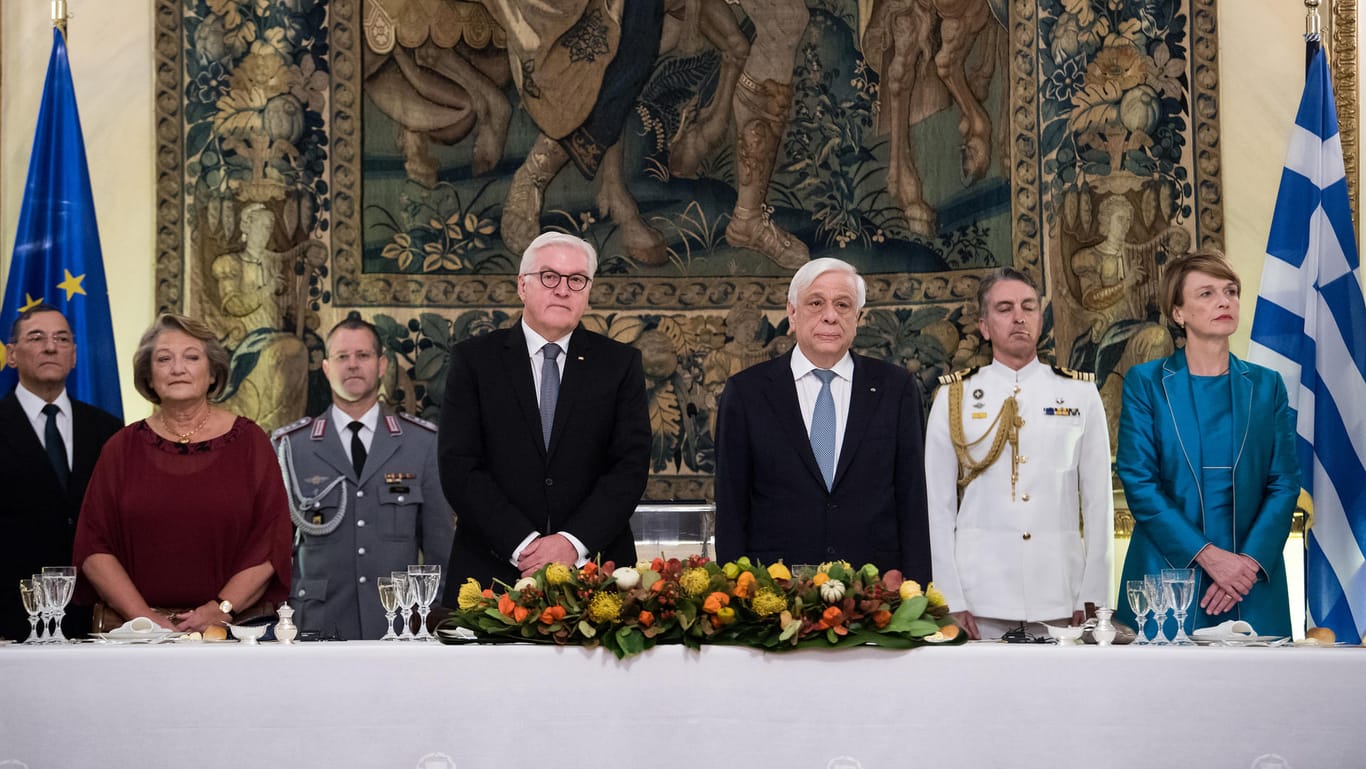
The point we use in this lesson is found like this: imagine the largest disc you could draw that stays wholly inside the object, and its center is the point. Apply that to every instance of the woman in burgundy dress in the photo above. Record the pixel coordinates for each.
(185, 520)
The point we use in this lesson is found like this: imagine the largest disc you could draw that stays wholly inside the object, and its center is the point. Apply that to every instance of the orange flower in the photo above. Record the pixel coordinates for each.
(506, 605)
(744, 585)
(881, 617)
(488, 592)
(552, 615)
(520, 613)
(820, 579)
(714, 602)
(646, 619)
(833, 618)
(657, 564)
(589, 569)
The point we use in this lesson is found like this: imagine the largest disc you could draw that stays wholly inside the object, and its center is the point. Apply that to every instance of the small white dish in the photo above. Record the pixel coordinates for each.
(1065, 636)
(248, 634)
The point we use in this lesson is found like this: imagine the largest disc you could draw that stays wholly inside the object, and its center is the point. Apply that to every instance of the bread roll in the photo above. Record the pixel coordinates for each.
(1323, 635)
(215, 633)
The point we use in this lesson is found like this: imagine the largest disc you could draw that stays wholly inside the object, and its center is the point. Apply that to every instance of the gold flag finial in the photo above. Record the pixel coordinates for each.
(59, 15)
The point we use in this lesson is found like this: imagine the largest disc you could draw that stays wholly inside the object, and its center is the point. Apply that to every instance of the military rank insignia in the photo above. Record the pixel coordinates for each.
(1061, 411)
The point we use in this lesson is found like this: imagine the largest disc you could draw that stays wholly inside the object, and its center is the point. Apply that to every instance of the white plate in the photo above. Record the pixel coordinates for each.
(130, 637)
(1240, 640)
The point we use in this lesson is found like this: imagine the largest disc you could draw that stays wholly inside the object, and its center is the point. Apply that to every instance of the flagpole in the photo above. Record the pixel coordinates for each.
(59, 15)
(1313, 32)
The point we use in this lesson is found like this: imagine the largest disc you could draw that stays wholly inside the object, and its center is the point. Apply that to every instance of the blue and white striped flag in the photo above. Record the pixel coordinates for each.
(1310, 325)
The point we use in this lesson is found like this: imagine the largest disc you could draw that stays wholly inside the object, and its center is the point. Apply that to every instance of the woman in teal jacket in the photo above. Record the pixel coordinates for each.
(1206, 453)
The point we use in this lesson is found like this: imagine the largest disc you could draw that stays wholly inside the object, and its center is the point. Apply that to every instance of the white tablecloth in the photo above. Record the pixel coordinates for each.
(404, 706)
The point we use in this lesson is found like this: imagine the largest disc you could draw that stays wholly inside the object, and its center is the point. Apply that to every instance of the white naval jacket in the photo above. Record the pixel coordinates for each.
(1023, 559)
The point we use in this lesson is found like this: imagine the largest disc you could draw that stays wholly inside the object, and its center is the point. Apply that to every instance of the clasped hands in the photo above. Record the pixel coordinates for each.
(1233, 576)
(550, 548)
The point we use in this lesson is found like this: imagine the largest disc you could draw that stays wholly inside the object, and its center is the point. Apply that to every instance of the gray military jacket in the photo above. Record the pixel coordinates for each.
(350, 531)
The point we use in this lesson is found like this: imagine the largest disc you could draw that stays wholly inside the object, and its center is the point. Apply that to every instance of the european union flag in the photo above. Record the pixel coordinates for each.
(57, 245)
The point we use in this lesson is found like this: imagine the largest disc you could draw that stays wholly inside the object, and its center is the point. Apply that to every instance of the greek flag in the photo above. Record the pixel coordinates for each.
(1310, 325)
(57, 257)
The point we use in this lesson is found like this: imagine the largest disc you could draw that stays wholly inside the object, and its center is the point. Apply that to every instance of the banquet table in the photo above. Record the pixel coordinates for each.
(405, 705)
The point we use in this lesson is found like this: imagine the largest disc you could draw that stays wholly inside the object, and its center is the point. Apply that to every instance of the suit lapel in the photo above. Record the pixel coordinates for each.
(18, 429)
(1176, 385)
(863, 399)
(382, 446)
(787, 412)
(1240, 379)
(331, 450)
(578, 361)
(517, 368)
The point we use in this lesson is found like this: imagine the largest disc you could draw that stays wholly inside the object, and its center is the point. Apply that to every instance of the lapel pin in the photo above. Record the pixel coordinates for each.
(580, 357)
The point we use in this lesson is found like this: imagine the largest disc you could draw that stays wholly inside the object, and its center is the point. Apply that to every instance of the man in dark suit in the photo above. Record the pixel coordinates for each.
(544, 436)
(820, 452)
(45, 461)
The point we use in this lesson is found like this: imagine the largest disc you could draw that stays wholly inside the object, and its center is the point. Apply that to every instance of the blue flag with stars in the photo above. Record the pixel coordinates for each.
(57, 256)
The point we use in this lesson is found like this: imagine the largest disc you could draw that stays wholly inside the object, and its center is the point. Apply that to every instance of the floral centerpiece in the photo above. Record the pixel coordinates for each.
(696, 601)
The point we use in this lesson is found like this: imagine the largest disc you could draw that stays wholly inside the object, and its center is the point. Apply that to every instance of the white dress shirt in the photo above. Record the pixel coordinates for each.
(368, 421)
(809, 388)
(33, 409)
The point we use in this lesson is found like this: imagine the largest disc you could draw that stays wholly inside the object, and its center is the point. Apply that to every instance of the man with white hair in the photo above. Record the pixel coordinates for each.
(819, 453)
(544, 438)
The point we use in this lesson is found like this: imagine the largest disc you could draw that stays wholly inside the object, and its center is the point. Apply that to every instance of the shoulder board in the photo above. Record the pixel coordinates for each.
(289, 428)
(419, 421)
(1080, 376)
(958, 376)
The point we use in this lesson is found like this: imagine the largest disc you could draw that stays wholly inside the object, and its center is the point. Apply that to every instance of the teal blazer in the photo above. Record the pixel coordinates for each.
(1158, 461)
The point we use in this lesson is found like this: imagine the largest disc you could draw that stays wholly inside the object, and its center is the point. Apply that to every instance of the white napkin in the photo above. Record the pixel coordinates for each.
(138, 626)
(1231, 630)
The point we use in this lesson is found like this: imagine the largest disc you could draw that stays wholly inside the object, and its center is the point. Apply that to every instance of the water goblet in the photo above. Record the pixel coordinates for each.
(425, 579)
(44, 611)
(388, 599)
(59, 582)
(1181, 584)
(1138, 604)
(31, 593)
(404, 583)
(1159, 600)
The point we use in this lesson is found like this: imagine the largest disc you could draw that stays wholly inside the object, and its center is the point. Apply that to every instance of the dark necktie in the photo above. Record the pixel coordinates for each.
(823, 427)
(550, 389)
(56, 447)
(357, 448)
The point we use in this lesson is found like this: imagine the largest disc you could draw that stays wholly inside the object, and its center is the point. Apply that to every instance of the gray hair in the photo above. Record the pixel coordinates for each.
(996, 276)
(818, 267)
(561, 239)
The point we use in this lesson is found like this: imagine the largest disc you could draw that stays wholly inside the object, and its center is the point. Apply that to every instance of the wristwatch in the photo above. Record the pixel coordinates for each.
(225, 606)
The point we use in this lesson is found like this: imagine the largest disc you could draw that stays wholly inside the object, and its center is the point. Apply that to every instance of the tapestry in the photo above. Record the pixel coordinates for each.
(392, 158)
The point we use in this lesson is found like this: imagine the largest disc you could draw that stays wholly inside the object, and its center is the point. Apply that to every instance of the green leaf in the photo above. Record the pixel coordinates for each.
(923, 627)
(648, 578)
(790, 630)
(436, 328)
(908, 612)
(630, 640)
(586, 629)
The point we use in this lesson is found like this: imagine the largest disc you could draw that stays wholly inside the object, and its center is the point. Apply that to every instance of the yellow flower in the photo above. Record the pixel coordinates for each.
(558, 574)
(779, 571)
(825, 567)
(605, 607)
(910, 589)
(470, 597)
(694, 581)
(768, 602)
(820, 579)
(935, 597)
(725, 616)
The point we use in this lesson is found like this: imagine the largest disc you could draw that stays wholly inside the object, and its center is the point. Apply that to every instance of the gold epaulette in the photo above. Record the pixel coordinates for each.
(1080, 376)
(958, 376)
(419, 421)
(291, 427)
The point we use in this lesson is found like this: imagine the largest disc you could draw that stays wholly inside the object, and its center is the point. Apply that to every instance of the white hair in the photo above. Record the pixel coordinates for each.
(818, 267)
(560, 239)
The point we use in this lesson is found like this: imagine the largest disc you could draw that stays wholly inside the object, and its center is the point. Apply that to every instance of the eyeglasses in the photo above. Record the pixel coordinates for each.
(551, 279)
(39, 339)
(359, 356)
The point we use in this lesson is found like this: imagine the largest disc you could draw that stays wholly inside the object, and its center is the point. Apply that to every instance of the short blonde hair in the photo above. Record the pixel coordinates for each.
(142, 358)
(1210, 261)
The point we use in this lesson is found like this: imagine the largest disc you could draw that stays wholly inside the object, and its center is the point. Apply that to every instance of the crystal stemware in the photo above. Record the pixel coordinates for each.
(1181, 584)
(406, 599)
(59, 582)
(425, 579)
(388, 599)
(44, 611)
(1159, 600)
(31, 593)
(1138, 604)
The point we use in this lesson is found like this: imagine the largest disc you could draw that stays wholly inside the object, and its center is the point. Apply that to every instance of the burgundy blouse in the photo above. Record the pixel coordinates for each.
(184, 518)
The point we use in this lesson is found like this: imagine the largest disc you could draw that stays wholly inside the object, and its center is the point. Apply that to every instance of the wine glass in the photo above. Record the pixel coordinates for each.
(31, 593)
(1181, 584)
(44, 611)
(404, 585)
(1159, 600)
(1138, 604)
(58, 584)
(388, 598)
(425, 579)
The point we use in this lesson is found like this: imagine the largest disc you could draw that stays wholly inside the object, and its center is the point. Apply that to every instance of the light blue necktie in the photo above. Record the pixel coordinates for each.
(823, 427)
(550, 388)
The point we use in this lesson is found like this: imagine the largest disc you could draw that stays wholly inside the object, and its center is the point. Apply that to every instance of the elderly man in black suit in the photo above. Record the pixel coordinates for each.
(544, 436)
(820, 452)
(48, 447)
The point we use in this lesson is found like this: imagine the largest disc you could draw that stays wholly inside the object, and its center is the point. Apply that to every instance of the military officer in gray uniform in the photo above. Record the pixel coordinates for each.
(1015, 454)
(364, 493)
